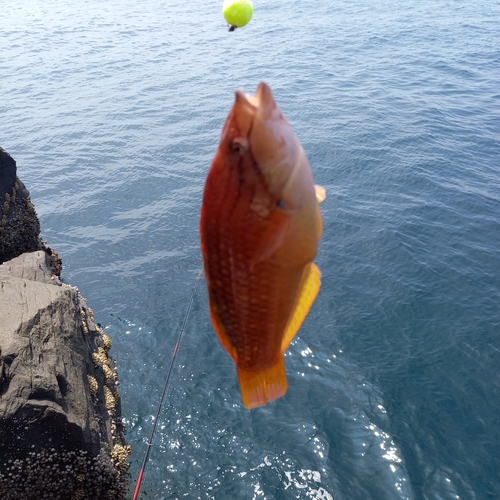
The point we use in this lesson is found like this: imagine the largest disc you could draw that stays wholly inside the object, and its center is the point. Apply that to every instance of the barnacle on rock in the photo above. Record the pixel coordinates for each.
(107, 342)
(109, 399)
(93, 385)
(78, 495)
(6, 203)
(63, 475)
(30, 210)
(109, 374)
(119, 455)
(84, 321)
(100, 357)
(91, 314)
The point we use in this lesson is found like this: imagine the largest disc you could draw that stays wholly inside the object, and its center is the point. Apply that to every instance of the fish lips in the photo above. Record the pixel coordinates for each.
(249, 109)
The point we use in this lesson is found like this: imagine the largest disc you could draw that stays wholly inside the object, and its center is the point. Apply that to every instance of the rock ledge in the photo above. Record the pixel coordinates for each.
(60, 424)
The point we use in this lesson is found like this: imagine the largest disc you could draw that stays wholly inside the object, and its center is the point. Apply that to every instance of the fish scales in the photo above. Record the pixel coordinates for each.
(245, 296)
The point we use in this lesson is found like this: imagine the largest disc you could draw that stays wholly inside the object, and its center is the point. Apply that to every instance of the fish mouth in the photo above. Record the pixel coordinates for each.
(263, 98)
(248, 102)
(249, 107)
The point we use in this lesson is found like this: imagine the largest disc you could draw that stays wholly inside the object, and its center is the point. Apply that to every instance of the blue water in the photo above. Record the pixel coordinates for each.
(113, 111)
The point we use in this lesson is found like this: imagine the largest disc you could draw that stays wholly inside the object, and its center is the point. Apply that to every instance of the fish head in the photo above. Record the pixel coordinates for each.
(257, 130)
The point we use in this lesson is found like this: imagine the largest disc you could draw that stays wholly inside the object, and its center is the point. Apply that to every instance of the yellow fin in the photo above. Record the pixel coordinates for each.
(320, 193)
(221, 333)
(308, 292)
(259, 387)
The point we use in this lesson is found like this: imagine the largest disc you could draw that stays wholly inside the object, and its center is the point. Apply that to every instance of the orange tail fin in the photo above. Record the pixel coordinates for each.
(259, 387)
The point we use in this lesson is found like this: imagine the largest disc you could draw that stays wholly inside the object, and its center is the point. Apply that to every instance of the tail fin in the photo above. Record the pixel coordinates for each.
(259, 387)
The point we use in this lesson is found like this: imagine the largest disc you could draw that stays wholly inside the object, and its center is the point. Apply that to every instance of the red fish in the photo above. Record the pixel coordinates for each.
(260, 226)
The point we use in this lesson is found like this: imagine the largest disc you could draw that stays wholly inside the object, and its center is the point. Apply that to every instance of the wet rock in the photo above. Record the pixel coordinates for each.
(61, 432)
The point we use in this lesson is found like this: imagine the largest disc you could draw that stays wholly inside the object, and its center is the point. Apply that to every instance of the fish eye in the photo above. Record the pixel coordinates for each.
(239, 145)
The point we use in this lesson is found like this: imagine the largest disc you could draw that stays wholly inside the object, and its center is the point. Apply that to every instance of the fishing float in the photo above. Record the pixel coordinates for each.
(237, 13)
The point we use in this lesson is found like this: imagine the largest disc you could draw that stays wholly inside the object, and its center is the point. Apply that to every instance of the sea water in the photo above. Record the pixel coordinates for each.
(113, 110)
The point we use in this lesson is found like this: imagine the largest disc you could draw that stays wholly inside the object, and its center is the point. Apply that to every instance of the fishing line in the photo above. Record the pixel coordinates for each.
(174, 354)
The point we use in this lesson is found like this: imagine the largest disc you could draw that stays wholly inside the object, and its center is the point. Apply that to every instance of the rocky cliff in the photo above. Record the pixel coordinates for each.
(61, 434)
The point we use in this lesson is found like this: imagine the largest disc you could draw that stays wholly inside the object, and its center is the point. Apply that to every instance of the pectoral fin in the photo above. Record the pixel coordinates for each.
(309, 290)
(320, 193)
(272, 237)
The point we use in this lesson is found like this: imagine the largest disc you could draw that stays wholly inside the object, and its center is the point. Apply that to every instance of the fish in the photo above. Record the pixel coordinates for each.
(260, 225)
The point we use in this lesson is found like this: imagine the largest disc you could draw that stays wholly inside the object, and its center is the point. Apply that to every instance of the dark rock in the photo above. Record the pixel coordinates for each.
(19, 225)
(8, 172)
(61, 432)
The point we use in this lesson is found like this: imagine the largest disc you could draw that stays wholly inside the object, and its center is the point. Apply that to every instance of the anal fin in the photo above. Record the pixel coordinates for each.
(259, 387)
(308, 291)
